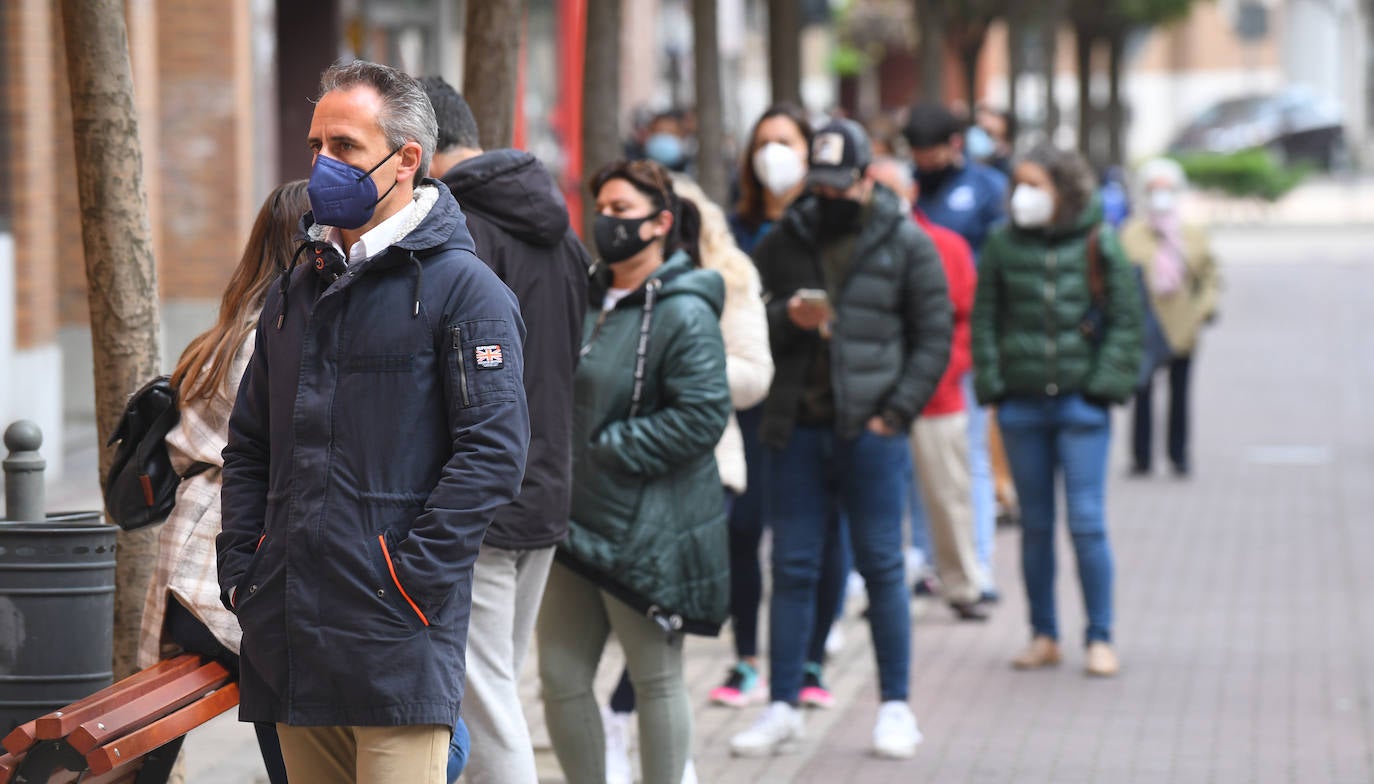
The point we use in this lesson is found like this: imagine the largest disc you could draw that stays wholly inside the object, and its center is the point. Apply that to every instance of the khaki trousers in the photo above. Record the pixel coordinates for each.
(415, 754)
(939, 448)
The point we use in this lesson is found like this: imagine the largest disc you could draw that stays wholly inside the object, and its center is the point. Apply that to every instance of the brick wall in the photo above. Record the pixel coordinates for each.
(73, 308)
(205, 170)
(29, 157)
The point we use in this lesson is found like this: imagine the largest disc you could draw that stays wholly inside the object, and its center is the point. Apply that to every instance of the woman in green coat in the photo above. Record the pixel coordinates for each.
(646, 555)
(1053, 351)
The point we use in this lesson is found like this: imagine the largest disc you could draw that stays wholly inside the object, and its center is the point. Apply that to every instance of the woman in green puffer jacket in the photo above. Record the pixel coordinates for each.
(1053, 354)
(646, 555)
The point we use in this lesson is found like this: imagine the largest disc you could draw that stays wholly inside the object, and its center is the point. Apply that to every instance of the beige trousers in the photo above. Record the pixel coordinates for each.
(415, 754)
(939, 448)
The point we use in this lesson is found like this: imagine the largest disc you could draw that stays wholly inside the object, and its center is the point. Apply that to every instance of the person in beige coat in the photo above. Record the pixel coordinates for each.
(743, 324)
(1181, 276)
(749, 373)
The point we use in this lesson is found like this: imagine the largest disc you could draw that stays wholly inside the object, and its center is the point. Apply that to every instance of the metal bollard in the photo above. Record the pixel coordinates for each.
(24, 491)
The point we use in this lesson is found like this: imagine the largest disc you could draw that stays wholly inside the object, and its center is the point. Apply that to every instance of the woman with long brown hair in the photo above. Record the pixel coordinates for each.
(182, 611)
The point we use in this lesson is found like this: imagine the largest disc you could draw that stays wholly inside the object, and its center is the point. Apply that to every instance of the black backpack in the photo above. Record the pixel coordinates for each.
(141, 485)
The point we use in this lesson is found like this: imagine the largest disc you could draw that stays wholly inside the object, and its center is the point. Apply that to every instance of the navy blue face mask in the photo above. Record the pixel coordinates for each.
(342, 195)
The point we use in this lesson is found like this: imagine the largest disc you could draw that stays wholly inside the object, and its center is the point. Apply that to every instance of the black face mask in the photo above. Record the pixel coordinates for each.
(931, 180)
(618, 239)
(838, 216)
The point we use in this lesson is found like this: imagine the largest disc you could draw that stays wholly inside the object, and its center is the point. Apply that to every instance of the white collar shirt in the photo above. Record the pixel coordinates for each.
(376, 240)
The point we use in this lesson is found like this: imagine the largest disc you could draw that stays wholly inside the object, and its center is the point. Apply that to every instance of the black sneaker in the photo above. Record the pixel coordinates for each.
(969, 611)
(926, 586)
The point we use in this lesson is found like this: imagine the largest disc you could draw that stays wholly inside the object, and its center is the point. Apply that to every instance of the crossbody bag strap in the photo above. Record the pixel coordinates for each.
(642, 350)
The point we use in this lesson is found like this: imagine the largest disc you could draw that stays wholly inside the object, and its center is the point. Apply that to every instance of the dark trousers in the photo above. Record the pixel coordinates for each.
(192, 636)
(1180, 369)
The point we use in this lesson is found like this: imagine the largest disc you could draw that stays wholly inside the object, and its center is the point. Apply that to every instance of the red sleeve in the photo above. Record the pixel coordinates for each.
(962, 278)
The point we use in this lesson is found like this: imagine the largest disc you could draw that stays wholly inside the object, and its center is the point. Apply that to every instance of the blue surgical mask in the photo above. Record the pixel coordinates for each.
(665, 148)
(979, 144)
(342, 195)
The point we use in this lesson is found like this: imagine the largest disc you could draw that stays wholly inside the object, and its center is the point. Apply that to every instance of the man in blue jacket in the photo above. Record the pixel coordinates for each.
(379, 426)
(970, 199)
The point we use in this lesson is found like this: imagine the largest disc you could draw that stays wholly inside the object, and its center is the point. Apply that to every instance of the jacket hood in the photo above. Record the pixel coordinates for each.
(439, 226)
(513, 190)
(442, 226)
(884, 215)
(676, 277)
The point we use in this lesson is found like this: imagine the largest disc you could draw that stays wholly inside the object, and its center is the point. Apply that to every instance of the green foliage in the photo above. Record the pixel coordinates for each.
(1248, 173)
(847, 60)
(1152, 12)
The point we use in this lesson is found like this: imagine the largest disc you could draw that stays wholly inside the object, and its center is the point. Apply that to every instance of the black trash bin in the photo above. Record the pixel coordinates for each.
(56, 613)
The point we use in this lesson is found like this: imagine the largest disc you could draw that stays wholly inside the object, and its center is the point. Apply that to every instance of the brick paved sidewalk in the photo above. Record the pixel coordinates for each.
(1247, 643)
(1246, 638)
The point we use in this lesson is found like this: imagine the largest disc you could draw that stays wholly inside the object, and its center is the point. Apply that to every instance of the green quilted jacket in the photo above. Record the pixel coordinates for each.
(648, 510)
(1032, 295)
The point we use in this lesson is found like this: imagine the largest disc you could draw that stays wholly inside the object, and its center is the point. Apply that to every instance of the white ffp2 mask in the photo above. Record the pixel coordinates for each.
(778, 167)
(1031, 207)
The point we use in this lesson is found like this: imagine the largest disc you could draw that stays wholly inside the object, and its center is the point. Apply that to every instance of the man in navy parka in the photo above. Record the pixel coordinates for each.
(380, 424)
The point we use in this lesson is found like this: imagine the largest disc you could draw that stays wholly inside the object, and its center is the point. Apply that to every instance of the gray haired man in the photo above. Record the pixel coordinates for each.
(380, 425)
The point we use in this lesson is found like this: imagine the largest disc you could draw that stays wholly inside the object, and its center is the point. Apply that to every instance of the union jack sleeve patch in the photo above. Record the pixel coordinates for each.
(488, 357)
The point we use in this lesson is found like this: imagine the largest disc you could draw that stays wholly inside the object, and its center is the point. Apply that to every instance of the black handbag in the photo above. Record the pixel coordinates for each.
(141, 485)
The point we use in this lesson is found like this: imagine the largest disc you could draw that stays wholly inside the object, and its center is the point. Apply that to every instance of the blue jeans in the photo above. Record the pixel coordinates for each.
(459, 746)
(980, 474)
(1046, 436)
(916, 513)
(815, 479)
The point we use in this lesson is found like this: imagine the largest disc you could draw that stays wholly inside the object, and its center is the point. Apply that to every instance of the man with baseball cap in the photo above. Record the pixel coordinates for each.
(860, 326)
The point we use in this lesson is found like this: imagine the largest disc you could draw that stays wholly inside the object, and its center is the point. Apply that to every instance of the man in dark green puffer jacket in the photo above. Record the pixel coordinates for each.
(850, 379)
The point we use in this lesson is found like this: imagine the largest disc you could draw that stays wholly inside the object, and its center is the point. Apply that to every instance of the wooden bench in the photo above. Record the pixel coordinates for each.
(129, 733)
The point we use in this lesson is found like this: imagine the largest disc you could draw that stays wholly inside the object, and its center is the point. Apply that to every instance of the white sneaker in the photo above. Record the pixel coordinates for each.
(834, 640)
(854, 586)
(915, 559)
(777, 731)
(895, 734)
(689, 773)
(617, 727)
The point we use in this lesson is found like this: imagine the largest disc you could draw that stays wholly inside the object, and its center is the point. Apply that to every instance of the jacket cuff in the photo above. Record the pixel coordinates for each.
(897, 421)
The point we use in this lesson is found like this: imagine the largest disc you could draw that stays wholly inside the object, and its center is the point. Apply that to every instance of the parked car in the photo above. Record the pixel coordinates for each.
(1295, 125)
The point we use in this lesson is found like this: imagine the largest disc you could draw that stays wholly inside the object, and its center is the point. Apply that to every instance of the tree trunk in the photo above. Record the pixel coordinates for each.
(970, 52)
(1116, 113)
(1083, 50)
(932, 27)
(1049, 37)
(491, 63)
(784, 50)
(1016, 65)
(600, 94)
(119, 261)
(710, 120)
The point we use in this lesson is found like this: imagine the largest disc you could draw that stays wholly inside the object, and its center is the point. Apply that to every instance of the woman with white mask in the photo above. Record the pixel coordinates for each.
(1181, 276)
(771, 172)
(1056, 341)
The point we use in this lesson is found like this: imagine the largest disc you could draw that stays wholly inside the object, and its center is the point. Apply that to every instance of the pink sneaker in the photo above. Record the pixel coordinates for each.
(813, 693)
(741, 687)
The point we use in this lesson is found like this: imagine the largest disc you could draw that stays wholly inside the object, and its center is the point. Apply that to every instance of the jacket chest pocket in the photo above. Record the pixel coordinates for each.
(483, 363)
